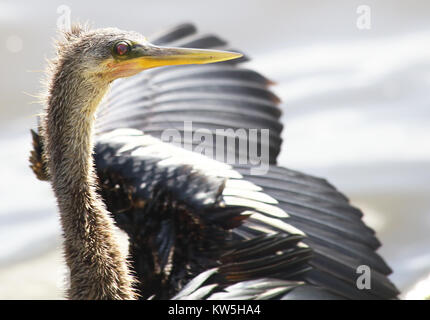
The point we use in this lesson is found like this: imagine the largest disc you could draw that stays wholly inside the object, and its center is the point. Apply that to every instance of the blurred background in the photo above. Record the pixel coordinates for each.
(355, 99)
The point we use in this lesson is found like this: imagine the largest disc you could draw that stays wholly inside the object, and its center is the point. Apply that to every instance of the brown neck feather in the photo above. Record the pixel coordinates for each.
(98, 269)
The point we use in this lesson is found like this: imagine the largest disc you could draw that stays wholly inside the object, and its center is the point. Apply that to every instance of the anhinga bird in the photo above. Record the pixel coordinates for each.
(198, 228)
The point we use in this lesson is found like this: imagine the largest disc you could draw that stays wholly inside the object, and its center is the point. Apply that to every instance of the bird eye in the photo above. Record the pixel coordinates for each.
(122, 48)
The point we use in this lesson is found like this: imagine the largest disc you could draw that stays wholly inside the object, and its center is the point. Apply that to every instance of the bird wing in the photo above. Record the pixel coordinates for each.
(182, 212)
(225, 95)
(187, 213)
(340, 240)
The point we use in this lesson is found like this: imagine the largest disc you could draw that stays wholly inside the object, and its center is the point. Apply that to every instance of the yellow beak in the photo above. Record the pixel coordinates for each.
(148, 56)
(152, 56)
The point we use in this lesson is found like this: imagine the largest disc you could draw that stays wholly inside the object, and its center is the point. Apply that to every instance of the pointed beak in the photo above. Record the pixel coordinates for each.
(150, 56)
(146, 56)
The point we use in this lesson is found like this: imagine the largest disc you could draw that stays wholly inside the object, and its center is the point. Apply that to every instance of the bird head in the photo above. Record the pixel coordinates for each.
(111, 53)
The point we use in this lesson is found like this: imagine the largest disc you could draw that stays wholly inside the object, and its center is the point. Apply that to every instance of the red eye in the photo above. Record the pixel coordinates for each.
(122, 48)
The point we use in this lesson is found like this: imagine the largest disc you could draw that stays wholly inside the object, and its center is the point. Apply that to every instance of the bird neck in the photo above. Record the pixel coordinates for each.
(98, 269)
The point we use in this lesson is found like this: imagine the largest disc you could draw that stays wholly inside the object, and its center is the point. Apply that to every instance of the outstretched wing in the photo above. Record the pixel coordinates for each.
(223, 96)
(185, 213)
(340, 240)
